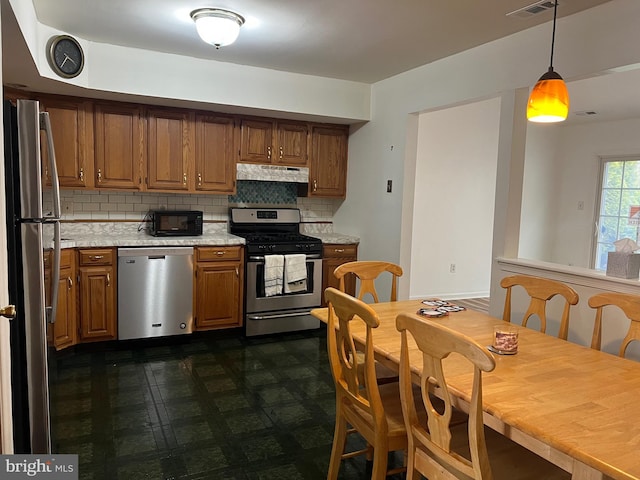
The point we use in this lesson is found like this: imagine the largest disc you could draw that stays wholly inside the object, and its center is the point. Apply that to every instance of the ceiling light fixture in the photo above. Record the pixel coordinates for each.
(549, 99)
(217, 26)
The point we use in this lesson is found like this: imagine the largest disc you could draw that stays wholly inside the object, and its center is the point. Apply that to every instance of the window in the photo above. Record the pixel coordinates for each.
(619, 209)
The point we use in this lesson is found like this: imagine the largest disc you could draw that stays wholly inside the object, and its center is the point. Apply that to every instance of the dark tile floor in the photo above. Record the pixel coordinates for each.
(213, 405)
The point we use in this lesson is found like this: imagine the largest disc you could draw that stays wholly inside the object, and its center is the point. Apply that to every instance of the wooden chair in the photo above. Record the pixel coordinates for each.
(438, 449)
(540, 290)
(372, 410)
(430, 451)
(629, 304)
(367, 272)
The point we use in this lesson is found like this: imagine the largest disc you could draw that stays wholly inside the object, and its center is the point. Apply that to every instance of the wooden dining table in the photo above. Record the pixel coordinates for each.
(575, 406)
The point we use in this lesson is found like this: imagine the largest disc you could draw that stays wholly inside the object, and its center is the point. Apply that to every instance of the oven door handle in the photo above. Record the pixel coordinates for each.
(278, 315)
(260, 258)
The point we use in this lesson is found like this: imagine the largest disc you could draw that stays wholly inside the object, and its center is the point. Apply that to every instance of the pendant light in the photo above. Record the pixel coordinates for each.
(549, 99)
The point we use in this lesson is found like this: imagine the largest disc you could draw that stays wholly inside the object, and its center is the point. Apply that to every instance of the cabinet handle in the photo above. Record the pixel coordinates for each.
(96, 257)
(269, 152)
(281, 152)
(69, 283)
(237, 272)
(82, 174)
(339, 250)
(315, 185)
(99, 175)
(108, 280)
(184, 178)
(199, 179)
(220, 253)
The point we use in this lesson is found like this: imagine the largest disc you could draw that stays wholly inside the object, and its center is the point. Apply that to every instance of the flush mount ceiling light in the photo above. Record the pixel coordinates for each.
(549, 99)
(216, 26)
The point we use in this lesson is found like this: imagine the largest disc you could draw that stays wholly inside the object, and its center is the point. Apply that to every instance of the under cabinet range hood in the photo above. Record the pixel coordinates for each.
(272, 173)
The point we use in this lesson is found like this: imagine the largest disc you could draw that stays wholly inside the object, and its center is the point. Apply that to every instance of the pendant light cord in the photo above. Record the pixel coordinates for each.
(553, 34)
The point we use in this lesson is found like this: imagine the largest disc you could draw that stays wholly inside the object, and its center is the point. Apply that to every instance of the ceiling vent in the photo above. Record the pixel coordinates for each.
(533, 9)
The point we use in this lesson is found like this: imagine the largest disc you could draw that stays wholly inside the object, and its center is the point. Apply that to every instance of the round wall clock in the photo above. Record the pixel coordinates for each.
(65, 56)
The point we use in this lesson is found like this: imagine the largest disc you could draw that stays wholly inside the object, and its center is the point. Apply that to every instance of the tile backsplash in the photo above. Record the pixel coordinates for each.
(79, 205)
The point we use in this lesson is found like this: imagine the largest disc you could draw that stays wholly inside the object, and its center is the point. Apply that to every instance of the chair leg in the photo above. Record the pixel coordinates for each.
(410, 461)
(339, 439)
(380, 461)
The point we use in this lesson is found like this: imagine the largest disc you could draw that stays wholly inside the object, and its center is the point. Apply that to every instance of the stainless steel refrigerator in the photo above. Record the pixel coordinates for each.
(32, 229)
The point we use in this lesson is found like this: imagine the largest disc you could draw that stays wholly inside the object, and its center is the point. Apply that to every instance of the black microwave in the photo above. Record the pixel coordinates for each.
(175, 223)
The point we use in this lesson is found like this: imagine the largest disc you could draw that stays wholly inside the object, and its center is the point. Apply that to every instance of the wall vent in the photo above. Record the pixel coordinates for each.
(533, 9)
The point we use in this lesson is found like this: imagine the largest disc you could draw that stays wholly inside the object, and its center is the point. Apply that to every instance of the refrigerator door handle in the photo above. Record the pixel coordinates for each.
(55, 275)
(45, 125)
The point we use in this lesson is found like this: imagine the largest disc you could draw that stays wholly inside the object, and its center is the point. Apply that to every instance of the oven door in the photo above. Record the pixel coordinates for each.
(257, 301)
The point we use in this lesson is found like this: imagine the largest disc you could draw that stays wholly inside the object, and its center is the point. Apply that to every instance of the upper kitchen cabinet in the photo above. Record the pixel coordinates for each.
(72, 128)
(120, 147)
(328, 162)
(274, 141)
(216, 145)
(171, 148)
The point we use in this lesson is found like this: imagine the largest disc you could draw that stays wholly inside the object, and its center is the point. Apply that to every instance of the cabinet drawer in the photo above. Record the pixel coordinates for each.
(96, 256)
(339, 250)
(210, 254)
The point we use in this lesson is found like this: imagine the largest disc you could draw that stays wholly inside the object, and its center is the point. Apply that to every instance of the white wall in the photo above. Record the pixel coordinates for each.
(577, 158)
(454, 199)
(541, 187)
(154, 74)
(592, 41)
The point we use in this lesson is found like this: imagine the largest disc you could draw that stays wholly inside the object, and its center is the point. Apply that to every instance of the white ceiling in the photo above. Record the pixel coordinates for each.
(364, 41)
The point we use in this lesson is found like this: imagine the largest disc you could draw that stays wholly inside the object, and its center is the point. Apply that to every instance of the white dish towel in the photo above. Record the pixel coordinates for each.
(273, 272)
(295, 273)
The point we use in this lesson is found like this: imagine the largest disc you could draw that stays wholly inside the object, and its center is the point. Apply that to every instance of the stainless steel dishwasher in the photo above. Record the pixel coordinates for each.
(155, 292)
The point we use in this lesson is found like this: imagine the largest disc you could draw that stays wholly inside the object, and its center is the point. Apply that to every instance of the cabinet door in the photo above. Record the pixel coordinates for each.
(332, 257)
(256, 141)
(119, 146)
(65, 328)
(328, 163)
(292, 144)
(216, 147)
(72, 129)
(170, 139)
(218, 295)
(98, 303)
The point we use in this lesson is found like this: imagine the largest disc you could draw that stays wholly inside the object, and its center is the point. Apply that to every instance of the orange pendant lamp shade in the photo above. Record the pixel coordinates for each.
(549, 99)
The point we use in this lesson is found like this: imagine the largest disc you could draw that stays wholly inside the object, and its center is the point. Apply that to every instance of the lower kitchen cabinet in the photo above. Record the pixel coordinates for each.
(334, 255)
(98, 299)
(219, 287)
(63, 332)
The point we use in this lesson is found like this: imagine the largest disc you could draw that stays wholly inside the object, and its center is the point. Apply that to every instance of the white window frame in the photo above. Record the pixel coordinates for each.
(596, 224)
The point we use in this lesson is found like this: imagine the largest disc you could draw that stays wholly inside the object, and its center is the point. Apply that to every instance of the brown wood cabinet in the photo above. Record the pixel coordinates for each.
(328, 162)
(72, 129)
(63, 332)
(219, 287)
(216, 144)
(98, 298)
(334, 255)
(171, 149)
(120, 145)
(275, 142)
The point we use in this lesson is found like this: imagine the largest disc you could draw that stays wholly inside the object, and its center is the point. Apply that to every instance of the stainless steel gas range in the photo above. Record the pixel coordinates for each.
(284, 270)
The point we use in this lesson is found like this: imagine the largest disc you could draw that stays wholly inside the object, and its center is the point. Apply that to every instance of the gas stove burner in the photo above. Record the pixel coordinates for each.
(272, 231)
